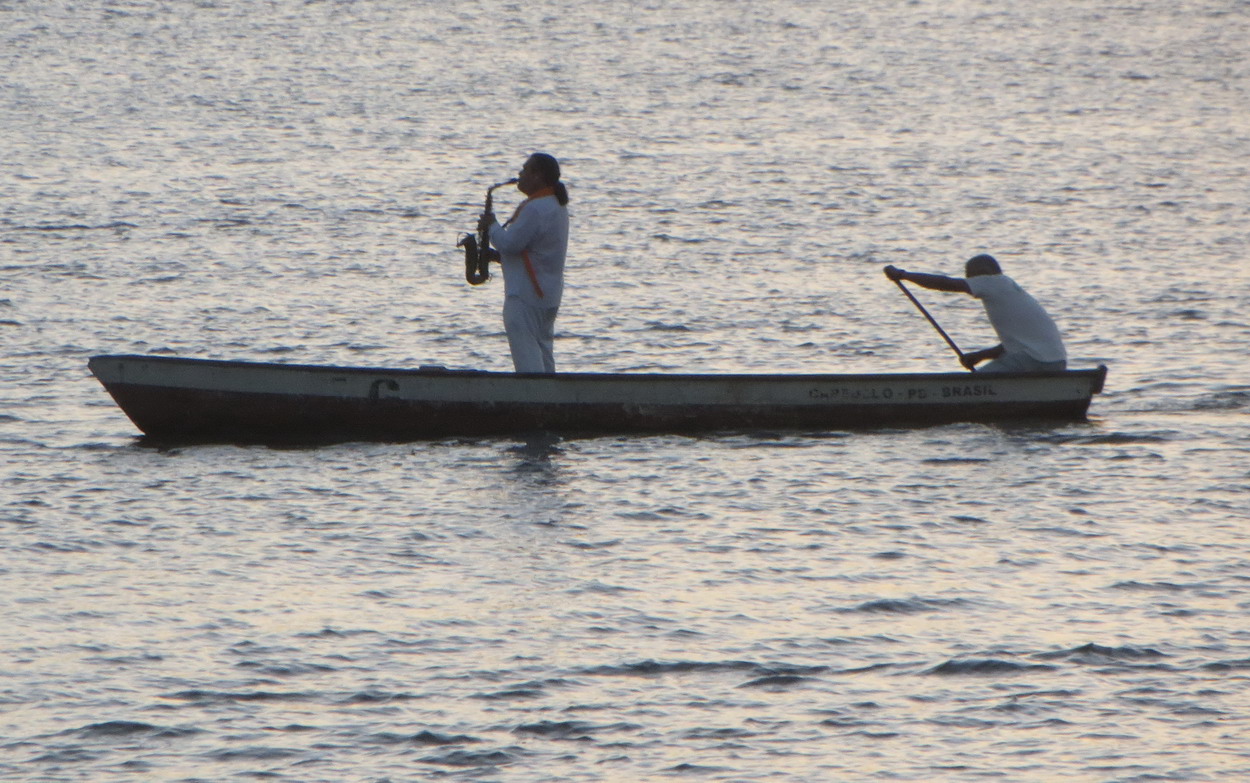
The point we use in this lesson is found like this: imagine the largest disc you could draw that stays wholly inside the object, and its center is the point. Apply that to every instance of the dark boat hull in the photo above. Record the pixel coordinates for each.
(194, 400)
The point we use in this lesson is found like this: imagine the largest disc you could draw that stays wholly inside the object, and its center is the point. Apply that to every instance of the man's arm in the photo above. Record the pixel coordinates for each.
(518, 233)
(935, 282)
(971, 360)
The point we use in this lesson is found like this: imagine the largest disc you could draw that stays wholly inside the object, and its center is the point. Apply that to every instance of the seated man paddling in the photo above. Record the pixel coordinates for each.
(1030, 341)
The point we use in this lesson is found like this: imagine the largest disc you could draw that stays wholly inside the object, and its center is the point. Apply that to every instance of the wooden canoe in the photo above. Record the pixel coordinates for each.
(200, 400)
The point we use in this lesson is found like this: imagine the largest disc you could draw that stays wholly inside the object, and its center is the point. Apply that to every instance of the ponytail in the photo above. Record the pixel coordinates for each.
(562, 193)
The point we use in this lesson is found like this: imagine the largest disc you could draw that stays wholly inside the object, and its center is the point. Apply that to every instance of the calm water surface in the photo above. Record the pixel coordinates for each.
(285, 181)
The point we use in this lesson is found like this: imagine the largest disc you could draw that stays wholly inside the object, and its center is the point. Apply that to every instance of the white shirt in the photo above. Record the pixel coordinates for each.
(539, 232)
(1021, 323)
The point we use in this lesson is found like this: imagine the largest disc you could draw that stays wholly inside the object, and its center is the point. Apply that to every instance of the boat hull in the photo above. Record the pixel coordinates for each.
(185, 400)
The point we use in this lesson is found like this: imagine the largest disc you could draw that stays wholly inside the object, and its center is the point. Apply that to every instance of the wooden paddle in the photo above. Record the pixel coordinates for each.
(940, 330)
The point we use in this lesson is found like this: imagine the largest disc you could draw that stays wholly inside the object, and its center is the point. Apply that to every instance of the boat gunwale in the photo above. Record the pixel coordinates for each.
(1097, 374)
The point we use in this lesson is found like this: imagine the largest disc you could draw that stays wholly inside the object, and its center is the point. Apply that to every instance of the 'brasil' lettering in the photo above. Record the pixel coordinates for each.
(972, 390)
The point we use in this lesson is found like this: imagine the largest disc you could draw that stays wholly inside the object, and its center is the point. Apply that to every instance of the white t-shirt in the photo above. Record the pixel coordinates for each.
(1021, 323)
(540, 230)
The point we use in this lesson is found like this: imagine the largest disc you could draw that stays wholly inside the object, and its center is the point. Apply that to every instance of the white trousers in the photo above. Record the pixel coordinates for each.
(1021, 362)
(531, 334)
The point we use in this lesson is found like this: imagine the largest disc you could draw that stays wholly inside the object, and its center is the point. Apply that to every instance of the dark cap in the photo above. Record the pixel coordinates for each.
(981, 265)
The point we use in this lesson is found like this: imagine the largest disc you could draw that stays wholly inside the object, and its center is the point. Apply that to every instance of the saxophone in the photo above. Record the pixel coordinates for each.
(477, 250)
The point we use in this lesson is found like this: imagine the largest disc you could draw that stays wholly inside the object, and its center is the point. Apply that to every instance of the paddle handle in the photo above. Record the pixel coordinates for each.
(933, 321)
